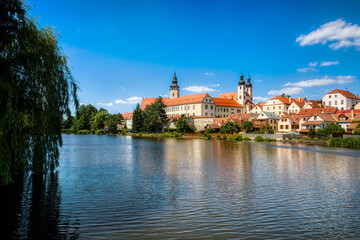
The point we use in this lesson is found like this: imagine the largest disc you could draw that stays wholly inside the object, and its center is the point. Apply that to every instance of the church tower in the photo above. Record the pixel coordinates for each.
(174, 88)
(241, 90)
(249, 89)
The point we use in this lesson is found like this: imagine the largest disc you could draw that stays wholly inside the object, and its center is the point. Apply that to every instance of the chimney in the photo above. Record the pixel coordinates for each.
(299, 98)
(352, 112)
(289, 99)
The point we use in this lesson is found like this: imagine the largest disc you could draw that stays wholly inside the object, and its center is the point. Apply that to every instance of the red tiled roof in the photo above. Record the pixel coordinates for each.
(312, 111)
(230, 95)
(313, 123)
(214, 125)
(194, 98)
(226, 102)
(344, 93)
(201, 116)
(127, 115)
(287, 100)
(348, 111)
(352, 126)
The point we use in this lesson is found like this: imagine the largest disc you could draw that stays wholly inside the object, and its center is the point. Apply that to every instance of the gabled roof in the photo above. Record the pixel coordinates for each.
(226, 102)
(194, 98)
(230, 95)
(346, 94)
(268, 115)
(312, 111)
(127, 115)
(293, 118)
(352, 126)
(300, 104)
(288, 100)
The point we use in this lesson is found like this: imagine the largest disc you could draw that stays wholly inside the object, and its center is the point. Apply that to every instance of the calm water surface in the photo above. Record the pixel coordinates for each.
(113, 187)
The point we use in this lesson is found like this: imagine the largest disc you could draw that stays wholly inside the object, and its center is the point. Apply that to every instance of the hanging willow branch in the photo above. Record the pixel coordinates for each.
(36, 89)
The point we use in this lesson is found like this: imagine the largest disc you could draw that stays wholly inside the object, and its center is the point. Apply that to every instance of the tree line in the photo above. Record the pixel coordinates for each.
(88, 119)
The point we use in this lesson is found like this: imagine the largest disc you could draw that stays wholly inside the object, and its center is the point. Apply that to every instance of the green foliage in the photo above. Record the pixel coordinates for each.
(224, 138)
(155, 116)
(345, 143)
(259, 139)
(266, 128)
(356, 131)
(36, 89)
(231, 138)
(85, 131)
(138, 120)
(312, 133)
(67, 131)
(247, 139)
(332, 129)
(238, 137)
(169, 129)
(247, 126)
(182, 126)
(207, 137)
(111, 122)
(218, 137)
(98, 132)
(124, 131)
(230, 127)
(210, 130)
(84, 117)
(270, 140)
(99, 119)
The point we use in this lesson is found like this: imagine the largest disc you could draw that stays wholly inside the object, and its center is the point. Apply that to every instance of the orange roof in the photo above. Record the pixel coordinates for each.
(344, 93)
(313, 103)
(127, 115)
(147, 101)
(287, 100)
(312, 111)
(194, 98)
(348, 111)
(352, 126)
(230, 95)
(226, 102)
(313, 123)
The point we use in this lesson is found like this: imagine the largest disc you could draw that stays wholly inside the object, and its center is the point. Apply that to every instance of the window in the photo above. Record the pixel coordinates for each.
(335, 101)
(286, 126)
(206, 114)
(281, 126)
(273, 107)
(329, 96)
(329, 103)
(193, 107)
(206, 100)
(335, 96)
(206, 106)
(188, 107)
(342, 102)
(211, 107)
(315, 117)
(279, 107)
(173, 94)
(267, 108)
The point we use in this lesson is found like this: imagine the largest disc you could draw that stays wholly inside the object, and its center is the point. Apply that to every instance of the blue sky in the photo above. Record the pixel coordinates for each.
(121, 51)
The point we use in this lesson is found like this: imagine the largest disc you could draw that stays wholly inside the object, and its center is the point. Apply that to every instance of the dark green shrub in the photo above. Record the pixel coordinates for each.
(123, 131)
(357, 132)
(100, 132)
(247, 139)
(238, 137)
(259, 139)
(270, 140)
(231, 138)
(210, 130)
(67, 131)
(207, 137)
(224, 137)
(84, 131)
(218, 137)
(345, 143)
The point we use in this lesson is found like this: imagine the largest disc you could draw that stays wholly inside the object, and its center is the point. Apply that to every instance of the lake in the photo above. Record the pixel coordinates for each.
(118, 187)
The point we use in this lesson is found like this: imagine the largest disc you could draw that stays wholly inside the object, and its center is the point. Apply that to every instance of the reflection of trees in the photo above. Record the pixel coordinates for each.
(30, 208)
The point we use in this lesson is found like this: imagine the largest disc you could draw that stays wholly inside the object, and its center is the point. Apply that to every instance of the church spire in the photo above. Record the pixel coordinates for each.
(248, 84)
(241, 82)
(174, 88)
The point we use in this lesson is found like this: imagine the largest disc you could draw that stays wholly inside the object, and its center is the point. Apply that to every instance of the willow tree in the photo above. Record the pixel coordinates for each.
(36, 90)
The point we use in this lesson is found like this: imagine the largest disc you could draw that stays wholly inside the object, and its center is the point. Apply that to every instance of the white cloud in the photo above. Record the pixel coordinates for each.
(199, 89)
(130, 100)
(215, 85)
(258, 80)
(81, 103)
(324, 64)
(313, 64)
(307, 69)
(289, 91)
(261, 99)
(165, 95)
(105, 104)
(338, 33)
(321, 82)
(209, 73)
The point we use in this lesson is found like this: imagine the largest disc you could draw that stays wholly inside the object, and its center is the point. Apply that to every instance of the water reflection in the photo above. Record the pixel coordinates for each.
(123, 188)
(30, 208)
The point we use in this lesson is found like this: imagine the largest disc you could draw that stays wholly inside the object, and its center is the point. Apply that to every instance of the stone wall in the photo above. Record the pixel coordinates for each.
(275, 136)
(352, 136)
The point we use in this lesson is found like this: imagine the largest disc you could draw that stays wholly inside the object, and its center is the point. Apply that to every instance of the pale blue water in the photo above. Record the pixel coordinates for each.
(115, 187)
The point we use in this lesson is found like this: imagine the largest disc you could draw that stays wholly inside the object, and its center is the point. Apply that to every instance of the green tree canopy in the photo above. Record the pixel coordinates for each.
(247, 126)
(266, 128)
(36, 89)
(138, 119)
(182, 126)
(332, 129)
(155, 116)
(230, 127)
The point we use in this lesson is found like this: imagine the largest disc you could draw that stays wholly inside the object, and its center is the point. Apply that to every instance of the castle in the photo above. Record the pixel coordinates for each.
(203, 104)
